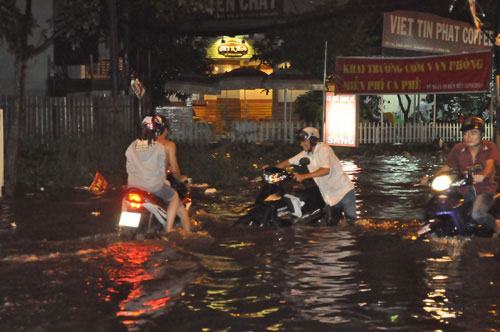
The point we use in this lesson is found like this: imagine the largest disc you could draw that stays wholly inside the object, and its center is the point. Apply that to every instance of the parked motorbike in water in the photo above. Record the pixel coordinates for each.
(143, 215)
(282, 202)
(447, 214)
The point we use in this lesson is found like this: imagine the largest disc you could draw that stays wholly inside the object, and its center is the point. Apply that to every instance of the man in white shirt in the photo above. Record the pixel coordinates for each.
(326, 170)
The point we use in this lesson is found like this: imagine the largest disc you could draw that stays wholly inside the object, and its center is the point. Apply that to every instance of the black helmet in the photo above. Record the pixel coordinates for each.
(308, 133)
(473, 122)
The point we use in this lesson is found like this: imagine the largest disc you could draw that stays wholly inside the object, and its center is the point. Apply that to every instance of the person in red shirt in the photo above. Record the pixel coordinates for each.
(476, 158)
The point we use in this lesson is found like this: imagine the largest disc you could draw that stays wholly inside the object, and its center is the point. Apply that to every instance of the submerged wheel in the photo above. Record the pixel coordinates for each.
(127, 234)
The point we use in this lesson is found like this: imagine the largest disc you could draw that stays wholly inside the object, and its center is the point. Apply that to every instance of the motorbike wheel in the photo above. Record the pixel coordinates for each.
(127, 234)
(443, 226)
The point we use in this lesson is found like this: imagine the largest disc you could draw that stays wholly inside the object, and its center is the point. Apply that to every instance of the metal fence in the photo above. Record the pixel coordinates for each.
(369, 133)
(58, 117)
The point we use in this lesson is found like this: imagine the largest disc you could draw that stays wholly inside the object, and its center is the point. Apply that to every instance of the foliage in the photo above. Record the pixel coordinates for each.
(352, 29)
(453, 107)
(310, 107)
(52, 163)
(370, 108)
(159, 37)
(74, 21)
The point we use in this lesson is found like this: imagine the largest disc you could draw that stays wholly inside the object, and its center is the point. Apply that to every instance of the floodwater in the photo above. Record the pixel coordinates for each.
(62, 267)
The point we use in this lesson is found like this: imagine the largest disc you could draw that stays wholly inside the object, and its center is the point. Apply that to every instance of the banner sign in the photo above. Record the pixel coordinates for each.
(231, 9)
(430, 74)
(423, 32)
(341, 120)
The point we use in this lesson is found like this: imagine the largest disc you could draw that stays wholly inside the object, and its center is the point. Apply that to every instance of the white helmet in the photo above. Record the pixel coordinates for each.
(308, 133)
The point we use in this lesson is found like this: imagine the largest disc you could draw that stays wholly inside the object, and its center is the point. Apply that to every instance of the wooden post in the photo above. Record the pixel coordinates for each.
(1, 154)
(114, 46)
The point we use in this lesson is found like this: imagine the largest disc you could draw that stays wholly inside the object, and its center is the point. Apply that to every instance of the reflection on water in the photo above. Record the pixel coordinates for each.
(142, 272)
(363, 278)
(318, 277)
(437, 304)
(387, 186)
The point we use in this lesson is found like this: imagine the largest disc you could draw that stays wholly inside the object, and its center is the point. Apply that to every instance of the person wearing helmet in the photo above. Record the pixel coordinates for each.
(326, 170)
(475, 158)
(146, 166)
(172, 166)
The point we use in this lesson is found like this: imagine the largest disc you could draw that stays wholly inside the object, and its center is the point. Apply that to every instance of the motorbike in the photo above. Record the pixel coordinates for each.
(281, 202)
(144, 215)
(446, 212)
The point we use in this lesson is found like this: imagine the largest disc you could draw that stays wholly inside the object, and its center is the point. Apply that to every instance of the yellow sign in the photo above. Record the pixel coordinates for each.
(230, 48)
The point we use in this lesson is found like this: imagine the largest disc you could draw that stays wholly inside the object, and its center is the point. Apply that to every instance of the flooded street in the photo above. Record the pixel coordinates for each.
(63, 267)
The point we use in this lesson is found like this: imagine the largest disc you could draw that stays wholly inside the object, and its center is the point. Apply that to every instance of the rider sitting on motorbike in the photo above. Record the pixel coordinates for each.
(475, 158)
(172, 166)
(325, 169)
(146, 166)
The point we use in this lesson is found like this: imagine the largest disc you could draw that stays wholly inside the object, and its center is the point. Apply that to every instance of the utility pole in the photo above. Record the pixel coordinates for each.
(497, 85)
(324, 84)
(113, 46)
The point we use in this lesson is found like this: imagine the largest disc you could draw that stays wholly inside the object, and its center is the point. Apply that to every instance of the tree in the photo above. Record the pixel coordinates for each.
(159, 43)
(370, 108)
(73, 21)
(405, 110)
(19, 26)
(310, 107)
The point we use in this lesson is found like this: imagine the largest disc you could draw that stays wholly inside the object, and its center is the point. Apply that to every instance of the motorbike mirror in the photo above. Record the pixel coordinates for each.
(304, 161)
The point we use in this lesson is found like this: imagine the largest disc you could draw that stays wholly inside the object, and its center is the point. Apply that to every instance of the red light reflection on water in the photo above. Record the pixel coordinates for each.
(131, 265)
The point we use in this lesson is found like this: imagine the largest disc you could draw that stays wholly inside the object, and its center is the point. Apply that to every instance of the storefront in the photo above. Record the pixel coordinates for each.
(241, 88)
(243, 94)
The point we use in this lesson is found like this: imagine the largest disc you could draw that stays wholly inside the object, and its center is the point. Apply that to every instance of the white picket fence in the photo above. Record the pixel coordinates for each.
(278, 131)
(194, 133)
(369, 133)
(376, 133)
(266, 131)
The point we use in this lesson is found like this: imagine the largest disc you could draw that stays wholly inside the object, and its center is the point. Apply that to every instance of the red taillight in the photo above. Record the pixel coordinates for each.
(135, 200)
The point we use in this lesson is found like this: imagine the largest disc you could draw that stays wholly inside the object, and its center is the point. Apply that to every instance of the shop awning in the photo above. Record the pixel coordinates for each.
(292, 79)
(190, 84)
(244, 78)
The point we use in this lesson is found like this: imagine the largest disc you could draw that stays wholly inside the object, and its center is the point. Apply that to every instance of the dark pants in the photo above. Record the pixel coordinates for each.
(348, 205)
(482, 203)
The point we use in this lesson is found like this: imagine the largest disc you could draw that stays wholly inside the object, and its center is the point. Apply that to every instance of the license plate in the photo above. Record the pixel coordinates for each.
(130, 219)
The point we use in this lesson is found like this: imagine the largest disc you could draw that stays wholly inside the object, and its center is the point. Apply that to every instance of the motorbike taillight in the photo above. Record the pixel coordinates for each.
(135, 200)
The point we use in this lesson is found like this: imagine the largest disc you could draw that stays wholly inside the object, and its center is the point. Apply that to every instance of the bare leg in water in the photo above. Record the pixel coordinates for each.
(172, 208)
(184, 216)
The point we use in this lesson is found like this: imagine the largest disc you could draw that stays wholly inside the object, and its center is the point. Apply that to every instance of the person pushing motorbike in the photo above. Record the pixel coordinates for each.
(326, 170)
(475, 159)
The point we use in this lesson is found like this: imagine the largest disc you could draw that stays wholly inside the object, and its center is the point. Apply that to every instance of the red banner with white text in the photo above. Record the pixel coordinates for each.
(455, 73)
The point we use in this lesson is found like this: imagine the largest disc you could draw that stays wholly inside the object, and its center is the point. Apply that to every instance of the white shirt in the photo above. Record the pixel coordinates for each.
(335, 184)
(146, 165)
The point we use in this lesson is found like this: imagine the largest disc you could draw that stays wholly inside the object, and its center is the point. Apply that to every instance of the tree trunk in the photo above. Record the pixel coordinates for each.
(17, 116)
(405, 110)
(15, 119)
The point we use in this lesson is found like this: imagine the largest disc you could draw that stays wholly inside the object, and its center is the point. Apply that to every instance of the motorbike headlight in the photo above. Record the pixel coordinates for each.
(442, 182)
(272, 178)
